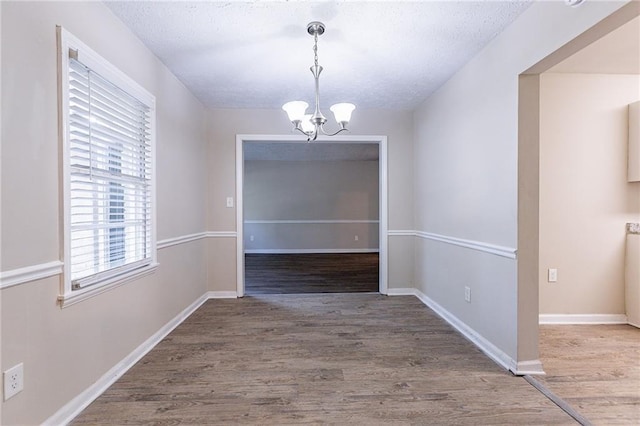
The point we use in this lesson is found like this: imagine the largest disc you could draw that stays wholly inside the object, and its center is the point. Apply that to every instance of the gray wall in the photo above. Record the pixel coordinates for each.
(310, 206)
(225, 124)
(466, 180)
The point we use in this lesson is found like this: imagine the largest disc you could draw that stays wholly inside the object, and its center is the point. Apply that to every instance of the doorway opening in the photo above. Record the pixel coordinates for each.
(572, 169)
(311, 217)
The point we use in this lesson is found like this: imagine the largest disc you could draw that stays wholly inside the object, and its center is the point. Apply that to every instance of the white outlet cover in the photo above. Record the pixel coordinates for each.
(13, 380)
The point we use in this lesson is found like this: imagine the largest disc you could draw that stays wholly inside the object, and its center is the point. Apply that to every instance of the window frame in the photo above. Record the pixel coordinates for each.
(118, 275)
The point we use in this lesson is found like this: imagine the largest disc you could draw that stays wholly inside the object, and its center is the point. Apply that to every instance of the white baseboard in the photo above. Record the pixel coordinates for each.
(532, 367)
(583, 319)
(529, 368)
(74, 407)
(222, 295)
(310, 251)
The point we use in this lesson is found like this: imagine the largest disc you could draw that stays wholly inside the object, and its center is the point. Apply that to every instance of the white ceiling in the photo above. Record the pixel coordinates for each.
(257, 54)
(616, 53)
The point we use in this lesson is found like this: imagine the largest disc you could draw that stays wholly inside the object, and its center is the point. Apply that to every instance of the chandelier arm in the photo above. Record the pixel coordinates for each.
(311, 136)
(314, 134)
(298, 128)
(324, 132)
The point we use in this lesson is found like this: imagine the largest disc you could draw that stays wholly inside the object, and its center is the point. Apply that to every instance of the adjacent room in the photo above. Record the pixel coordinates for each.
(311, 217)
(275, 212)
(589, 203)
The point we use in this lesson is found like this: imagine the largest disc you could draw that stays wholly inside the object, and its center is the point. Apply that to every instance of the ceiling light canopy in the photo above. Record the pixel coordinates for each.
(312, 125)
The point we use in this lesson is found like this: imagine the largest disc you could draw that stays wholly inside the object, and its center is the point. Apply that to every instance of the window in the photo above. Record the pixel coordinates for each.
(107, 145)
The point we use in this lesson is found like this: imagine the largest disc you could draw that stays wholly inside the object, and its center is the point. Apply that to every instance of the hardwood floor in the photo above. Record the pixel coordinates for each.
(594, 368)
(311, 273)
(363, 359)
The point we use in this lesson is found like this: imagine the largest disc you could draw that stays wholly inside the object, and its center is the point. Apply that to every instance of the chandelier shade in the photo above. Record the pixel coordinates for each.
(342, 112)
(295, 110)
(311, 125)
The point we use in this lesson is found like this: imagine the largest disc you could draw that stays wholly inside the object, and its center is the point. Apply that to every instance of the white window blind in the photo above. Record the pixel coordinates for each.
(109, 177)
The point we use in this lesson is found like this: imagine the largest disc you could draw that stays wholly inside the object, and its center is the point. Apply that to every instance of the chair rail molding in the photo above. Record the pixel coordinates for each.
(30, 273)
(508, 252)
(168, 242)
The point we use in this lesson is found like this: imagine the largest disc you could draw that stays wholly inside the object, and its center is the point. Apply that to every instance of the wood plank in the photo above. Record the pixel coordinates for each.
(594, 368)
(319, 359)
(311, 273)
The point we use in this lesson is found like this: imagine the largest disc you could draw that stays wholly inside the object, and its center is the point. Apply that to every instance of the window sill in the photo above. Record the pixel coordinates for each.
(76, 296)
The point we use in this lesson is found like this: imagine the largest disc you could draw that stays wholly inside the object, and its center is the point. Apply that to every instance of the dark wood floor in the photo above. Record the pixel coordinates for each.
(361, 359)
(311, 273)
(594, 368)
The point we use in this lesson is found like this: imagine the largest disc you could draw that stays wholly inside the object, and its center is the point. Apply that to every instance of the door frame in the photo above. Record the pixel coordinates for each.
(383, 225)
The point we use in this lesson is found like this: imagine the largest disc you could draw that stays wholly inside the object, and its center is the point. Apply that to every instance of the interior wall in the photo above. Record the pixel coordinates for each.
(585, 199)
(466, 179)
(225, 124)
(311, 206)
(64, 351)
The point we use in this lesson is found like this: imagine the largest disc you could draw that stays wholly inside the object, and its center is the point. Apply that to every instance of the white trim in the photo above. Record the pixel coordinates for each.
(70, 299)
(70, 410)
(222, 295)
(222, 234)
(30, 273)
(529, 368)
(401, 233)
(583, 319)
(240, 215)
(507, 252)
(308, 221)
(168, 242)
(309, 251)
(49, 269)
(383, 201)
(65, 41)
(489, 349)
(383, 215)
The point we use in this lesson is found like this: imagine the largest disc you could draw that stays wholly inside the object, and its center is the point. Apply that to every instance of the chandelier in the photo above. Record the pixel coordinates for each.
(313, 124)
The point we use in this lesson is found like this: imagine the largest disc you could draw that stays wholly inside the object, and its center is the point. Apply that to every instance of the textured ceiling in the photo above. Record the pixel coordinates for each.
(257, 54)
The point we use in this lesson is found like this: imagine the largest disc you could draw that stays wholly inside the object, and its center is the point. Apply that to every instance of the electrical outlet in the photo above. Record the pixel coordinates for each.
(355, 238)
(251, 238)
(229, 202)
(552, 275)
(13, 381)
(467, 294)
